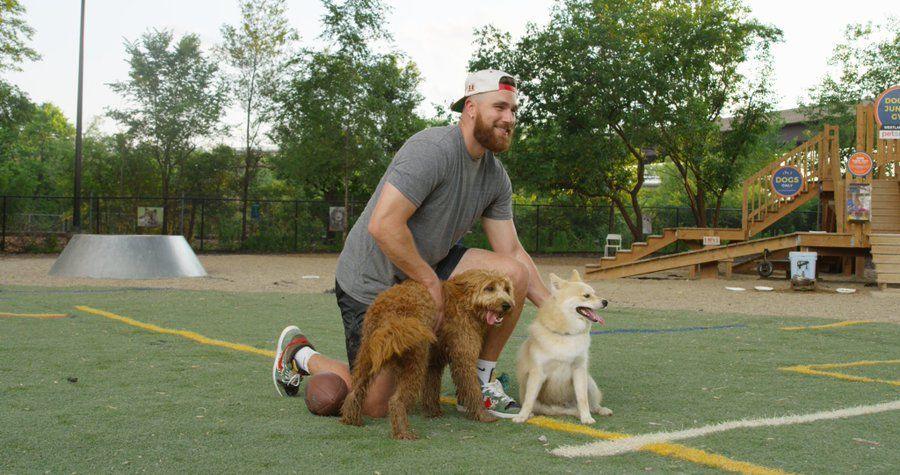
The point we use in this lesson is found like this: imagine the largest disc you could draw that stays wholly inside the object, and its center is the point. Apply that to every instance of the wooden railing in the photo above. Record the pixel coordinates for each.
(817, 159)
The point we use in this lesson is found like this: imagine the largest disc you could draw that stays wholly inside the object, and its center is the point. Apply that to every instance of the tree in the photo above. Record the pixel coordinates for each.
(15, 110)
(256, 52)
(347, 108)
(176, 97)
(609, 86)
(14, 34)
(867, 62)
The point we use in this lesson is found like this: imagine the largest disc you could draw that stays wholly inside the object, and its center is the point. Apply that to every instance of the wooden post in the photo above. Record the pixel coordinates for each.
(729, 267)
(847, 266)
(860, 266)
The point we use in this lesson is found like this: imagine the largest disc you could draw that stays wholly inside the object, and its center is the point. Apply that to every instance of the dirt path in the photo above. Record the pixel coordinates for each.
(314, 273)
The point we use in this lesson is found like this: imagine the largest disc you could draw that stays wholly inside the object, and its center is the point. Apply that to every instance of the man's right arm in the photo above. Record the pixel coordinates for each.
(388, 226)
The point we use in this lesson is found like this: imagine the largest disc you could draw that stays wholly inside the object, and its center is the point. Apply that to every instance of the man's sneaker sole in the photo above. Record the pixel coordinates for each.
(501, 415)
(278, 385)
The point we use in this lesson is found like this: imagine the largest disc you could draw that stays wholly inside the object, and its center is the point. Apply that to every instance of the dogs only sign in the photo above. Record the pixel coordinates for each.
(787, 181)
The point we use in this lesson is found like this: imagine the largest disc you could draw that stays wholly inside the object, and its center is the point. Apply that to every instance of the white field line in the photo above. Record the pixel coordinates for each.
(631, 444)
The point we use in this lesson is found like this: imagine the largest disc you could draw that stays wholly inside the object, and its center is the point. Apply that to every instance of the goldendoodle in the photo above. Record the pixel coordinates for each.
(398, 338)
(474, 300)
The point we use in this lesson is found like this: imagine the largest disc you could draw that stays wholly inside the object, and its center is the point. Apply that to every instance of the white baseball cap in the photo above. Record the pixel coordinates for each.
(486, 80)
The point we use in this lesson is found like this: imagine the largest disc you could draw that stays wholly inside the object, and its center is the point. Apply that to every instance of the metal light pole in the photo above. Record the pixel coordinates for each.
(76, 214)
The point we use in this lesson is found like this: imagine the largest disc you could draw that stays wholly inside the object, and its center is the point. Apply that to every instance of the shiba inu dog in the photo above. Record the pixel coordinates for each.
(552, 365)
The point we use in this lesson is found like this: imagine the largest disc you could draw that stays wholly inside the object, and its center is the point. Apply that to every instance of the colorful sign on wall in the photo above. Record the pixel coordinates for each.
(859, 202)
(859, 164)
(787, 181)
(887, 113)
(149, 217)
(337, 219)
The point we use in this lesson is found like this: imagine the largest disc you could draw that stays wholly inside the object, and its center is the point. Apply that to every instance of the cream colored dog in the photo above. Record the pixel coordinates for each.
(552, 365)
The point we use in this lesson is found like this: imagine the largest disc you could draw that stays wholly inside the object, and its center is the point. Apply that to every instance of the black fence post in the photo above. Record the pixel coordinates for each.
(537, 230)
(202, 223)
(3, 232)
(97, 215)
(296, 218)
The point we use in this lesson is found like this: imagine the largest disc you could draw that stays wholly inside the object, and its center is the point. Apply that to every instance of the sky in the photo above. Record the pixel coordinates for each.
(436, 35)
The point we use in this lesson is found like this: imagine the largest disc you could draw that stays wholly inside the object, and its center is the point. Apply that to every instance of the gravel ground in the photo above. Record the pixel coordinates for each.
(314, 273)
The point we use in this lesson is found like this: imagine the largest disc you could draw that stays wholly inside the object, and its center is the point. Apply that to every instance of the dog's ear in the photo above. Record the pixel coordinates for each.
(555, 284)
(576, 277)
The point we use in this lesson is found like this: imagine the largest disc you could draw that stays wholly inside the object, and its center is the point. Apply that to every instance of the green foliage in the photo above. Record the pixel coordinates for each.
(35, 145)
(866, 63)
(346, 108)
(256, 52)
(176, 98)
(14, 35)
(606, 81)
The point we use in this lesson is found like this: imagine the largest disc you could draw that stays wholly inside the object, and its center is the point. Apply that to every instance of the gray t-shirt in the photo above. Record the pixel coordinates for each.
(450, 189)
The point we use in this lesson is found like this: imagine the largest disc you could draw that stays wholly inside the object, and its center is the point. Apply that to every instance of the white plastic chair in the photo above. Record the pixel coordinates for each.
(614, 242)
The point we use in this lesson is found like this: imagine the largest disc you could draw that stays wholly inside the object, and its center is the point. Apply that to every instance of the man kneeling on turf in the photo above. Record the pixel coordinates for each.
(437, 185)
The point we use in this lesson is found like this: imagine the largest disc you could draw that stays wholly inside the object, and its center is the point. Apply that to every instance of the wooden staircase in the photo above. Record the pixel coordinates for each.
(638, 250)
(641, 250)
(818, 161)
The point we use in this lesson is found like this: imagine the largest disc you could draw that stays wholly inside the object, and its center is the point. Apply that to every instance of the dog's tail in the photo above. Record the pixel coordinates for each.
(398, 337)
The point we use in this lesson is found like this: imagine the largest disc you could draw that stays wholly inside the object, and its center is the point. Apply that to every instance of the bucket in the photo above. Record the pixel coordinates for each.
(803, 265)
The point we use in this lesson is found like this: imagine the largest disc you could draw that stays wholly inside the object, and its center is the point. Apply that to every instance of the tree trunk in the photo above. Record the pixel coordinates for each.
(346, 185)
(165, 196)
(190, 231)
(249, 165)
(245, 191)
(634, 230)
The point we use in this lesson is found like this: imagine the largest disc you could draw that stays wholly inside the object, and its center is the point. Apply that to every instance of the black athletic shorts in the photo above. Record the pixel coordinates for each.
(353, 311)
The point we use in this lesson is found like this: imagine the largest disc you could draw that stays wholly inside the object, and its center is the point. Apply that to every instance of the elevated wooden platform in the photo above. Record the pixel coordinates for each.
(886, 257)
(728, 253)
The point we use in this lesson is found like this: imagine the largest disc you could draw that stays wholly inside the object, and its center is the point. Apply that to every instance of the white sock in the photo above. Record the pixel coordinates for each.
(485, 370)
(302, 357)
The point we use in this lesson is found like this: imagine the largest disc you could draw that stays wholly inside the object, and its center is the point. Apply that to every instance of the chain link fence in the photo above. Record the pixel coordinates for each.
(44, 223)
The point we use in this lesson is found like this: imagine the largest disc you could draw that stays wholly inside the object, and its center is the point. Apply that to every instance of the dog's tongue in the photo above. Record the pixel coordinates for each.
(594, 316)
(492, 318)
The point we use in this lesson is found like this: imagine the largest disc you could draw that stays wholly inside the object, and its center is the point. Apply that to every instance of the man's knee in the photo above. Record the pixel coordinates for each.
(375, 408)
(518, 272)
(376, 402)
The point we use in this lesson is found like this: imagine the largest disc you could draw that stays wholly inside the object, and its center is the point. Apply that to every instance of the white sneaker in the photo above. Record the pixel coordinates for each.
(496, 401)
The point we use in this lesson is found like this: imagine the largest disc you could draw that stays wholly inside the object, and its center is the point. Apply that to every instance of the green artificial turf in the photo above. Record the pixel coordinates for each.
(155, 402)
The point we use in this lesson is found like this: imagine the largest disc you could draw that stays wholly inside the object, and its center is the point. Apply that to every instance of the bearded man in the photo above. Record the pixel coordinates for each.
(438, 184)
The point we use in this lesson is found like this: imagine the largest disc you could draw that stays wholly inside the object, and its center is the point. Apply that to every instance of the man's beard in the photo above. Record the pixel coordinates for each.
(487, 136)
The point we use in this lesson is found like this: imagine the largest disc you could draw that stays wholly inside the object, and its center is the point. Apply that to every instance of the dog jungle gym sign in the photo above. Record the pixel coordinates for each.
(887, 113)
(787, 181)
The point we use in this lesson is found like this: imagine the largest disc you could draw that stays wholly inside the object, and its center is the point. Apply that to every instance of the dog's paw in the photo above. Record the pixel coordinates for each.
(405, 436)
(432, 412)
(603, 411)
(587, 419)
(352, 421)
(520, 418)
(484, 417)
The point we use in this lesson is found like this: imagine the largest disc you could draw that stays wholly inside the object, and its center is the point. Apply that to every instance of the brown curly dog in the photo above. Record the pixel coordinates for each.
(398, 337)
(474, 300)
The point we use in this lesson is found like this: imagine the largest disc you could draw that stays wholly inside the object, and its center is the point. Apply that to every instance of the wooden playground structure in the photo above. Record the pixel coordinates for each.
(840, 242)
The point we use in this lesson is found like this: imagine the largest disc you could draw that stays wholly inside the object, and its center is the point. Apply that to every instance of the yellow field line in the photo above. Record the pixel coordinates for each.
(814, 370)
(848, 323)
(182, 333)
(668, 450)
(33, 315)
(676, 451)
